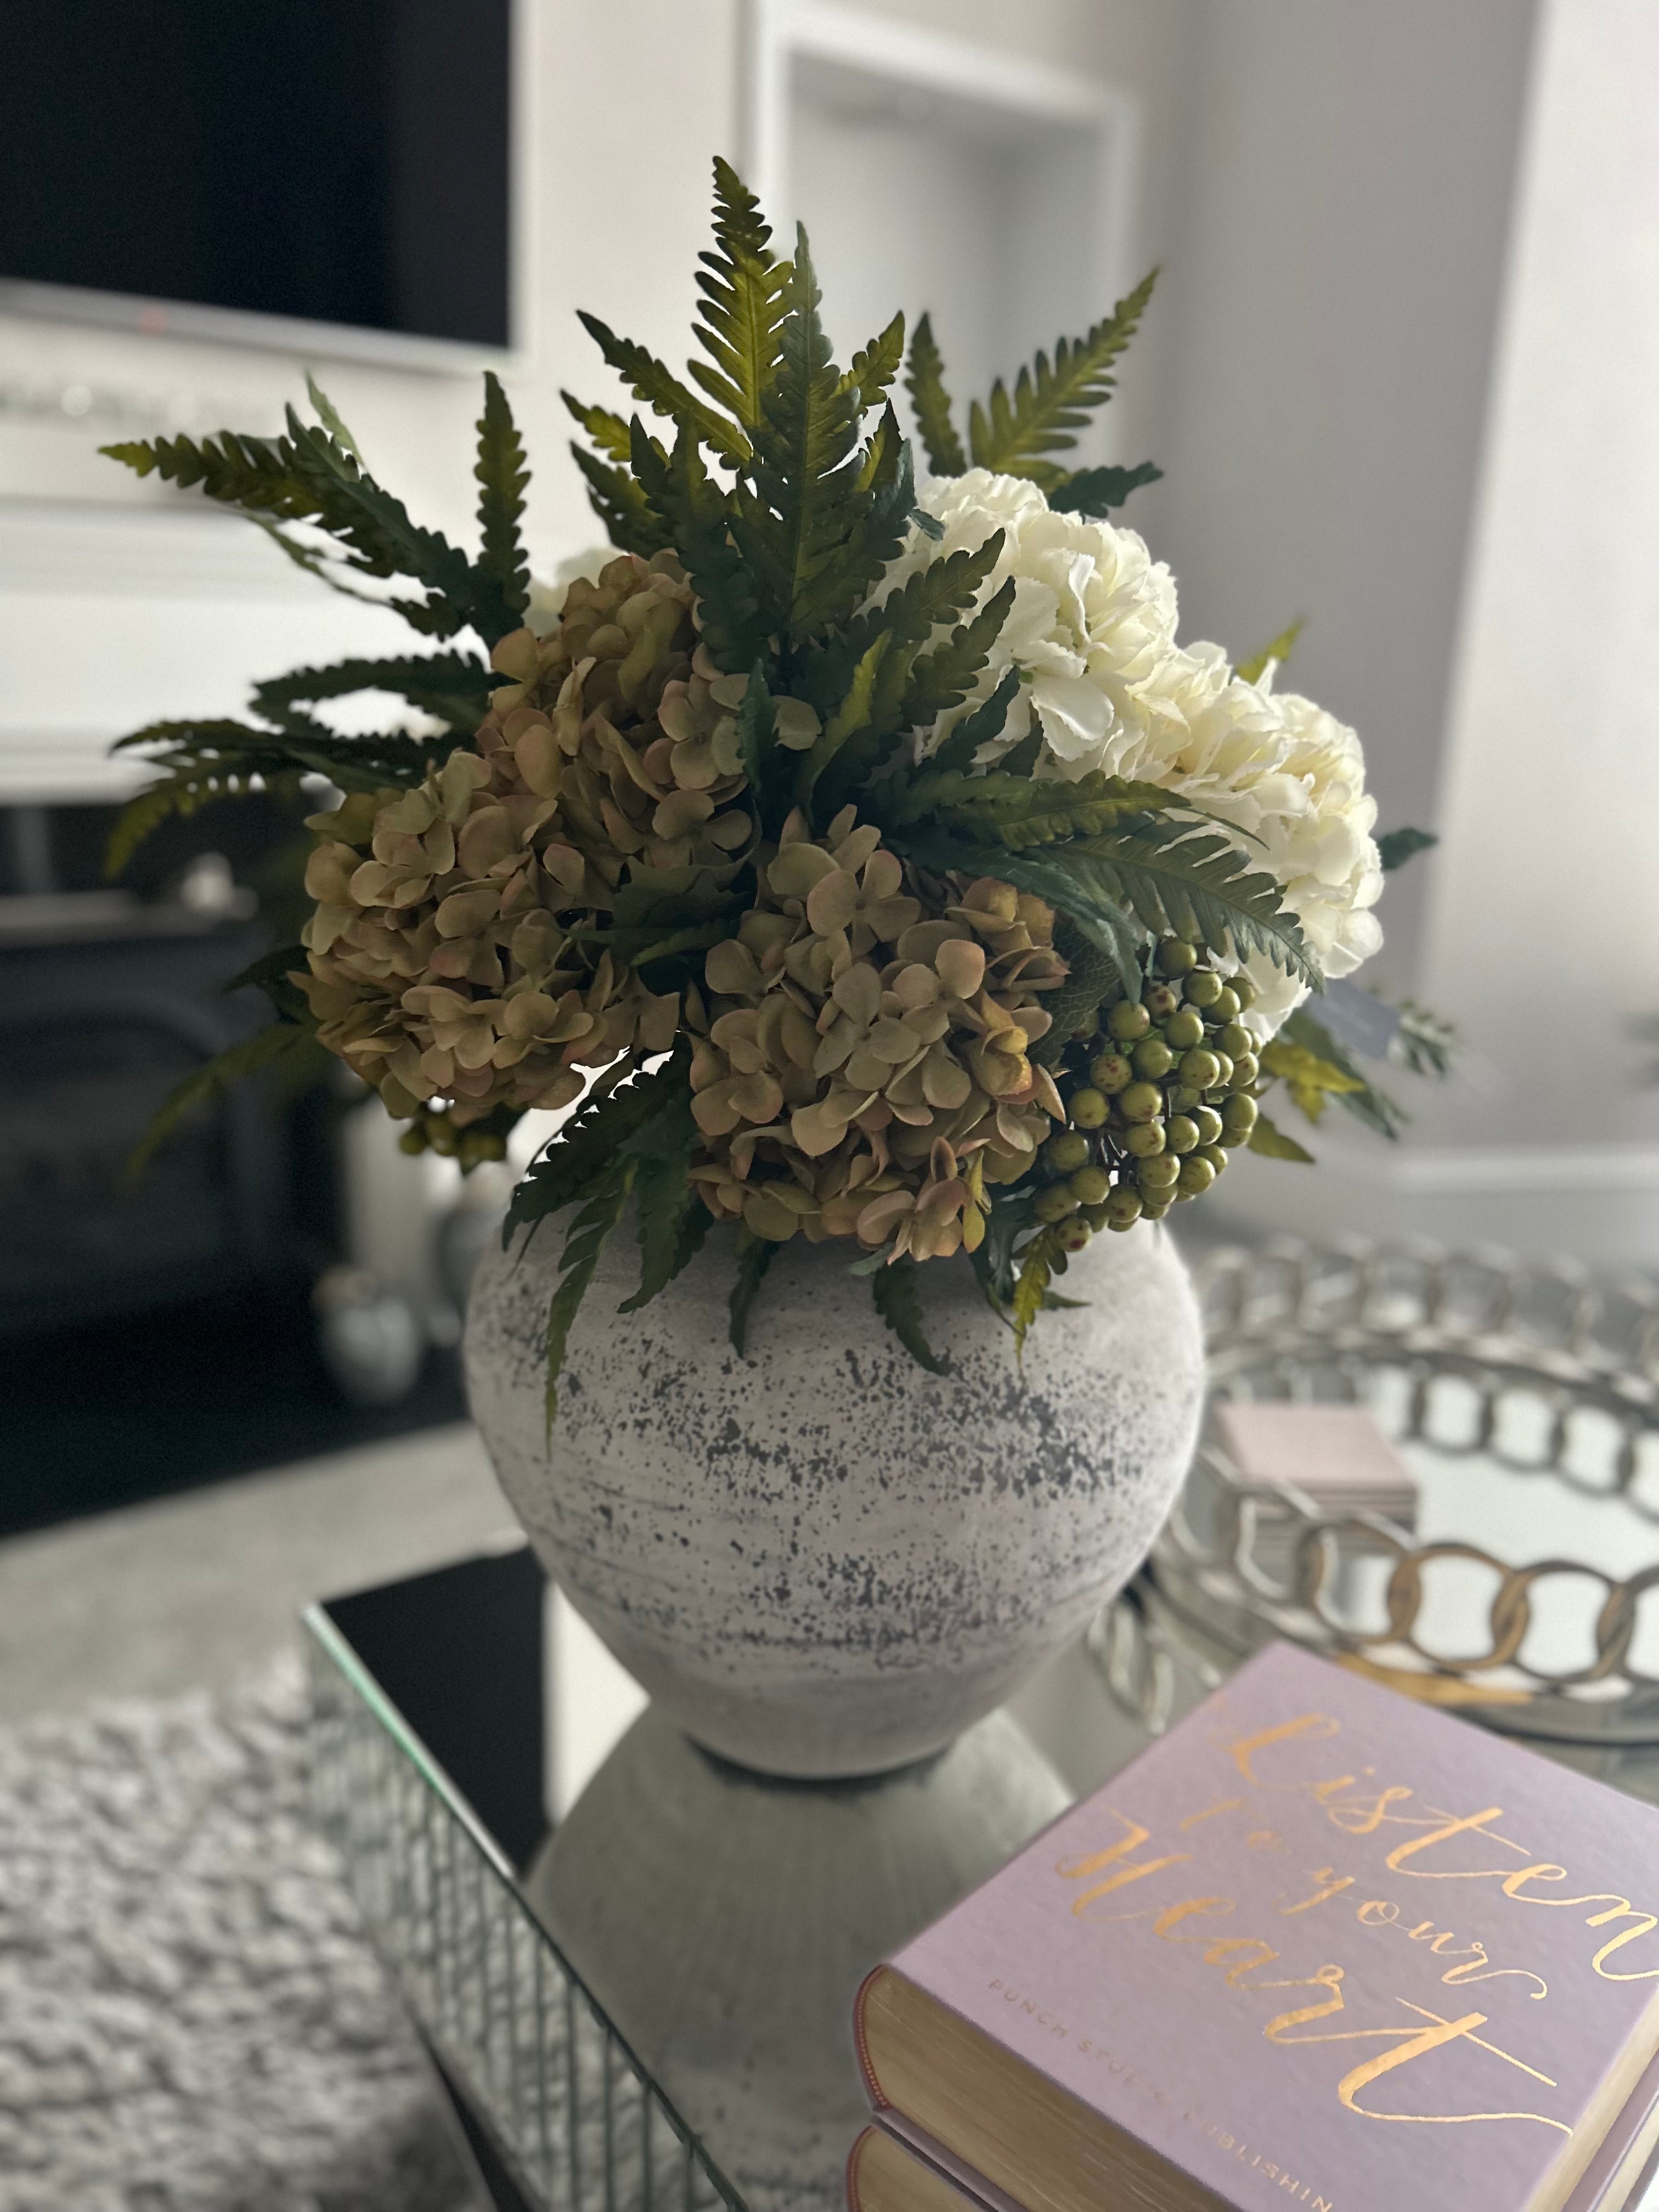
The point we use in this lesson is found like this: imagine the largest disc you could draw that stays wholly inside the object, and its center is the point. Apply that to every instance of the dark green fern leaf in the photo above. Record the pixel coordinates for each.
(609, 432)
(600, 1132)
(1023, 811)
(630, 522)
(1395, 847)
(851, 716)
(790, 513)
(1097, 491)
(295, 1046)
(754, 1255)
(1197, 885)
(925, 382)
(982, 728)
(930, 597)
(696, 515)
(744, 287)
(502, 472)
(328, 416)
(896, 1292)
(664, 1193)
(1050, 404)
(454, 686)
(658, 388)
(943, 678)
(875, 366)
(584, 1243)
(1091, 978)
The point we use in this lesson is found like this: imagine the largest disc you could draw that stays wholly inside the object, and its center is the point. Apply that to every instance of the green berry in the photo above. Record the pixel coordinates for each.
(1181, 1098)
(1160, 1000)
(1244, 991)
(1200, 1068)
(1224, 1072)
(1215, 1155)
(1225, 1006)
(1123, 1207)
(1145, 1140)
(1238, 1115)
(1152, 1058)
(1142, 1102)
(1089, 1109)
(412, 1139)
(1196, 1176)
(1111, 1073)
(1054, 1203)
(1155, 1213)
(1066, 1152)
(1073, 1234)
(1209, 1125)
(1235, 1040)
(1203, 988)
(1185, 1028)
(1176, 957)
(1089, 1186)
(1246, 1068)
(1181, 1134)
(1160, 1174)
(1094, 1215)
(1128, 1020)
(443, 1138)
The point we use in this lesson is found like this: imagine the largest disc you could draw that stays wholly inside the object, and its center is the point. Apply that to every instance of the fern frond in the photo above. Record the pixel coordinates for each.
(1310, 1080)
(754, 1255)
(502, 472)
(664, 1193)
(1395, 847)
(600, 1131)
(852, 714)
(1196, 884)
(1091, 978)
(328, 416)
(609, 432)
(876, 521)
(454, 686)
(925, 382)
(929, 597)
(695, 514)
(1023, 811)
(1097, 491)
(790, 514)
(1037, 1265)
(744, 287)
(1066, 887)
(291, 1042)
(1253, 670)
(631, 523)
(875, 366)
(1313, 1064)
(584, 1242)
(1049, 403)
(982, 728)
(658, 388)
(895, 1289)
(944, 677)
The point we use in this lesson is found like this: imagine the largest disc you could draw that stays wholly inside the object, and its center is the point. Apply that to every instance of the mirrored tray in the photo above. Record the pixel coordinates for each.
(1525, 1399)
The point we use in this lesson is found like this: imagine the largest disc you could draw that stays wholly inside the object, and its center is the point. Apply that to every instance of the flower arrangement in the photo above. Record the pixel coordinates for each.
(860, 849)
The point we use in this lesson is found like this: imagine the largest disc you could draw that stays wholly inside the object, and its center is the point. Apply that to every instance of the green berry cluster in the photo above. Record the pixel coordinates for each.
(432, 1130)
(1155, 1100)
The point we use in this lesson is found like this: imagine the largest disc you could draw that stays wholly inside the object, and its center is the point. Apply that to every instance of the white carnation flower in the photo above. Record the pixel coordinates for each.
(1093, 630)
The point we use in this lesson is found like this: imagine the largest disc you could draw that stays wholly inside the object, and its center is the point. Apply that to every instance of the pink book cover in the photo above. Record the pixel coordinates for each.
(1323, 1945)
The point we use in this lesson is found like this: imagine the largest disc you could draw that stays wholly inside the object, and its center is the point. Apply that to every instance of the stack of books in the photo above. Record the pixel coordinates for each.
(1320, 1946)
(1335, 1455)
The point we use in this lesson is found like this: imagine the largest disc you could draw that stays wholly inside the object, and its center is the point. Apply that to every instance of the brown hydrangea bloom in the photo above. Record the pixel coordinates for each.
(447, 953)
(862, 1066)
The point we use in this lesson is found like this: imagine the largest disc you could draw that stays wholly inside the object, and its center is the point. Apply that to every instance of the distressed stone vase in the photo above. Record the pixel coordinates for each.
(820, 1559)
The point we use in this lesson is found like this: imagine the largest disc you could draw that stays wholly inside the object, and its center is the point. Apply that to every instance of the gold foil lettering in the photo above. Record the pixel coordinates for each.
(1306, 1727)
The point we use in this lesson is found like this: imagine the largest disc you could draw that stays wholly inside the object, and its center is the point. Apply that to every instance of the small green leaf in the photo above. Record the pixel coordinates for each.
(744, 287)
(754, 1255)
(982, 728)
(1395, 847)
(664, 1191)
(1037, 1267)
(875, 366)
(662, 392)
(328, 415)
(1271, 1141)
(896, 1291)
(851, 715)
(925, 382)
(583, 1243)
(1253, 670)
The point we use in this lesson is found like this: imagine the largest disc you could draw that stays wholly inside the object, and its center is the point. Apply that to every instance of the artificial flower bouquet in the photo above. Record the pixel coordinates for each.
(858, 846)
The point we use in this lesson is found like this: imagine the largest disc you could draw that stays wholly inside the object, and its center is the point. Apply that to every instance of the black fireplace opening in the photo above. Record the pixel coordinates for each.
(156, 1330)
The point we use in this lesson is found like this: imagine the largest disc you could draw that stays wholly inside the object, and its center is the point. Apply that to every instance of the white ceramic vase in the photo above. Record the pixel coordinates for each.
(821, 1559)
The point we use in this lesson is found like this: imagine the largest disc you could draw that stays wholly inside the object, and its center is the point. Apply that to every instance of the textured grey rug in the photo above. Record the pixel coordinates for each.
(190, 2020)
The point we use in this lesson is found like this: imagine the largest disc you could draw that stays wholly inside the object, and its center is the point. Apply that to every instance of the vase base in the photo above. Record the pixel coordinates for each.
(724, 1919)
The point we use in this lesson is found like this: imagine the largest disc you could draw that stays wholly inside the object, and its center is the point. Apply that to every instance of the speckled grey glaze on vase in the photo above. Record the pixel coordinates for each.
(822, 1559)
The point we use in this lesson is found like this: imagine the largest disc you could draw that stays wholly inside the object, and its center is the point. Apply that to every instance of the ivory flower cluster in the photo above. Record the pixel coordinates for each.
(1093, 628)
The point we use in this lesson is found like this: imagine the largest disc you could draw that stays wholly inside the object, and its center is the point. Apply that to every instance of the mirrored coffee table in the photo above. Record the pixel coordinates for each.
(1526, 1597)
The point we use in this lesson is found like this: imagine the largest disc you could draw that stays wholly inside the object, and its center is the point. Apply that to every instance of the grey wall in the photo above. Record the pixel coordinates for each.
(1328, 315)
